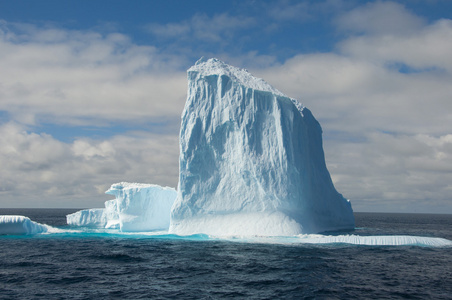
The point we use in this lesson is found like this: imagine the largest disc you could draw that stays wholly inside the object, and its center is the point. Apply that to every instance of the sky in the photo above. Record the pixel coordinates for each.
(91, 92)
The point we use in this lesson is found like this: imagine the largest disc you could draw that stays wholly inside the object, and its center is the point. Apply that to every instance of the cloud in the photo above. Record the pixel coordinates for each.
(289, 11)
(40, 171)
(410, 173)
(85, 78)
(427, 48)
(302, 11)
(389, 33)
(217, 28)
(382, 97)
(379, 18)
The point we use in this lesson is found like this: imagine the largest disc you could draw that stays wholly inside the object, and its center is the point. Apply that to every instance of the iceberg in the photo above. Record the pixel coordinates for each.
(136, 207)
(251, 161)
(19, 225)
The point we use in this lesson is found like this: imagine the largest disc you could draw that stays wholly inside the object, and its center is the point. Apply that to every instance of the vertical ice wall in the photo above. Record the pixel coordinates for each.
(251, 161)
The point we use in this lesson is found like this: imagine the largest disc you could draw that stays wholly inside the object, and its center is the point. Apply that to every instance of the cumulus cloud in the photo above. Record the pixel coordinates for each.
(382, 97)
(55, 76)
(85, 78)
(38, 169)
(426, 49)
(410, 173)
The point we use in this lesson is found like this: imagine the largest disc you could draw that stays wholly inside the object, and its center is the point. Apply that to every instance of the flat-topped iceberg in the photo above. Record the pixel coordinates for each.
(137, 207)
(251, 161)
(18, 225)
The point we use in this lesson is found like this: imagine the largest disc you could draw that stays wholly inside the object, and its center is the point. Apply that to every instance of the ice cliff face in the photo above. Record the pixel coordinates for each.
(251, 161)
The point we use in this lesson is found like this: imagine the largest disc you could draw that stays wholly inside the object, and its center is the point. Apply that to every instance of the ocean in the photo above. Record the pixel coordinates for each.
(99, 265)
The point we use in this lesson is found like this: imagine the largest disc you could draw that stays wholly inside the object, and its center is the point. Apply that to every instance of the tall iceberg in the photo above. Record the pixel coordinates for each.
(251, 161)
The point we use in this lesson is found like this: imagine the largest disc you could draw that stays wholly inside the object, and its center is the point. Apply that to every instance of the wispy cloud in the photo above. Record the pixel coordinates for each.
(218, 28)
(302, 11)
(289, 10)
(380, 18)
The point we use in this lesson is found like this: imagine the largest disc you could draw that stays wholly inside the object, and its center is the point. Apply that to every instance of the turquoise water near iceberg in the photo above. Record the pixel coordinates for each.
(92, 264)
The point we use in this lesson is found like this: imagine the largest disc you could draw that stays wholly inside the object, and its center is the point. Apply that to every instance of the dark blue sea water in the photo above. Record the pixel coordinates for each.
(103, 266)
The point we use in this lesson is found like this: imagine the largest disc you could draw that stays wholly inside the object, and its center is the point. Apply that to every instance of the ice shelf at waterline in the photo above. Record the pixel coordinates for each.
(251, 161)
(137, 207)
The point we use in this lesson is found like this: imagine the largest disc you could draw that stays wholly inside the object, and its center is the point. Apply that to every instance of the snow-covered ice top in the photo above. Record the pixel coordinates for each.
(214, 66)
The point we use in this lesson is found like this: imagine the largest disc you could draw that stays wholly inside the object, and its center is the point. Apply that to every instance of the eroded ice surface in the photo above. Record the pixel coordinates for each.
(20, 225)
(251, 161)
(136, 207)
